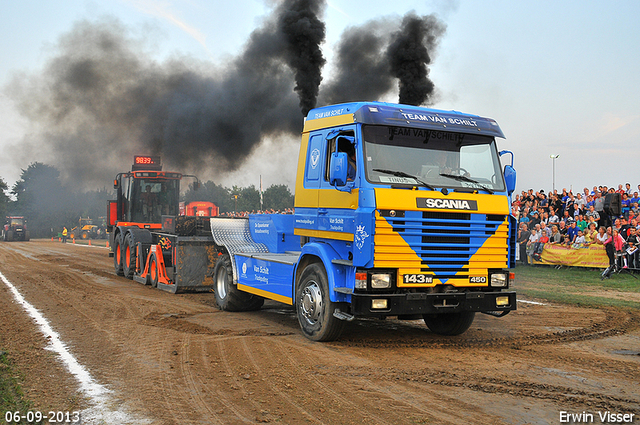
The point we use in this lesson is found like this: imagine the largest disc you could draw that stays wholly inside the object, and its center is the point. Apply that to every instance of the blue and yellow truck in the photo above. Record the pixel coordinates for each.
(400, 211)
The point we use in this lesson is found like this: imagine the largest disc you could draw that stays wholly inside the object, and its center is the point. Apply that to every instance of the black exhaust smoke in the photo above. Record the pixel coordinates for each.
(102, 98)
(303, 32)
(409, 56)
(374, 57)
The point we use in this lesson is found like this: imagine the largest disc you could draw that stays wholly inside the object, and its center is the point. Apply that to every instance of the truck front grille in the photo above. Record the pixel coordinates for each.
(449, 246)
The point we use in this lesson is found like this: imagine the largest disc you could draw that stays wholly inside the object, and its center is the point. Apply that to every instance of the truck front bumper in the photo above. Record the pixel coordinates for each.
(363, 305)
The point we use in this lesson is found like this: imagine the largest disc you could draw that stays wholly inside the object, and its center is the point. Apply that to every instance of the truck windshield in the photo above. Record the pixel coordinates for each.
(432, 158)
(151, 198)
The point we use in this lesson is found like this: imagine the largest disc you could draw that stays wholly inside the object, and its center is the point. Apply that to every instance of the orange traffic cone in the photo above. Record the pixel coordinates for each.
(89, 242)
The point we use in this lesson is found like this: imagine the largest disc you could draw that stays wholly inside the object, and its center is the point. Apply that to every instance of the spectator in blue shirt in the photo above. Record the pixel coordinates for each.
(573, 231)
(625, 204)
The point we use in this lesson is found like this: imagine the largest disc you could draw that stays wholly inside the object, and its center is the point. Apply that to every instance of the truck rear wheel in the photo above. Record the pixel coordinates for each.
(314, 307)
(153, 270)
(228, 296)
(449, 323)
(117, 254)
(129, 256)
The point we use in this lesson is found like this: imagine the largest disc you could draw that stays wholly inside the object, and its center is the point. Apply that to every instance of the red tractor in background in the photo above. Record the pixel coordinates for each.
(15, 229)
(199, 208)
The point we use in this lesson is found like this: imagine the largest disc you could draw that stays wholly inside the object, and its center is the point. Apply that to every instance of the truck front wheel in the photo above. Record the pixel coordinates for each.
(449, 323)
(314, 307)
(228, 296)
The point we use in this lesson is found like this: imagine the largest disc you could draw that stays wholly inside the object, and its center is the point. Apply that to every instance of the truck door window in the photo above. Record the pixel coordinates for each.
(343, 142)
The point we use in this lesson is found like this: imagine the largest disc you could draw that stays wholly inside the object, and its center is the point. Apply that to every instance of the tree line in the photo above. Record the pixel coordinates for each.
(48, 204)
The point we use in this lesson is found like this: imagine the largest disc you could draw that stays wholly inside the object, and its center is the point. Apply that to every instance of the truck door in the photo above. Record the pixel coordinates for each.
(308, 183)
(336, 208)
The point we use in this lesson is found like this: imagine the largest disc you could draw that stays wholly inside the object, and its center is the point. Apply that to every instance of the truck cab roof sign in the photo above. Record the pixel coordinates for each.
(411, 116)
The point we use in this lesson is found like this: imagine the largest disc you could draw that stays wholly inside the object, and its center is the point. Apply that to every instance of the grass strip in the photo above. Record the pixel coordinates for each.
(578, 286)
(11, 396)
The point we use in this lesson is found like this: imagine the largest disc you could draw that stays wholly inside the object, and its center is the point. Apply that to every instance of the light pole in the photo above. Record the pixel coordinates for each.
(554, 157)
(235, 208)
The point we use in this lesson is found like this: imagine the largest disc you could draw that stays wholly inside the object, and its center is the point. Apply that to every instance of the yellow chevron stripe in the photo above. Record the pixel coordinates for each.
(265, 294)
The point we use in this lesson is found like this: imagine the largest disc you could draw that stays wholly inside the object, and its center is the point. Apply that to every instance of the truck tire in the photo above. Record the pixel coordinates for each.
(450, 323)
(9, 235)
(314, 307)
(129, 256)
(117, 254)
(152, 279)
(228, 296)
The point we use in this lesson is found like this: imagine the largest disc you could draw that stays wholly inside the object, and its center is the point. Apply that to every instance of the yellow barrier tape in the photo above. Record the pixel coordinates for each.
(589, 256)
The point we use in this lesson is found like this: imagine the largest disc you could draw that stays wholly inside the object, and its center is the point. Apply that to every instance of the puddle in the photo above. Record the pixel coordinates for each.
(626, 352)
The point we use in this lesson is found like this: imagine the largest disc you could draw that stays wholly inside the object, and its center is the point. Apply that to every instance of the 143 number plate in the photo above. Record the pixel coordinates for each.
(417, 278)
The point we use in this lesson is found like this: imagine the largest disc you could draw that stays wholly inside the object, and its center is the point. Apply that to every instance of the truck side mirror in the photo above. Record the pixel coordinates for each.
(510, 178)
(338, 168)
(509, 173)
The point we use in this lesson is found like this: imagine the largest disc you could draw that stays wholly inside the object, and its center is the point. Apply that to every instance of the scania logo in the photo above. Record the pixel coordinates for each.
(447, 204)
(315, 156)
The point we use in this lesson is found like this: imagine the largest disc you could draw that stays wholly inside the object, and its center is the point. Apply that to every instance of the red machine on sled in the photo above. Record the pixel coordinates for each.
(149, 240)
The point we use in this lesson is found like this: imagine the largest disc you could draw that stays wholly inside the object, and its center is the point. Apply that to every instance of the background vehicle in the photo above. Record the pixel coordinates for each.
(150, 242)
(15, 229)
(199, 208)
(86, 229)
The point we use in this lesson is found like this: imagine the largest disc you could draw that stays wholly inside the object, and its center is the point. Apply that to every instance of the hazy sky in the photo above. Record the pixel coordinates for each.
(559, 77)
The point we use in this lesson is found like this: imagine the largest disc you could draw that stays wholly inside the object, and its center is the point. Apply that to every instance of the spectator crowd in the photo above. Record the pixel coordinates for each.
(579, 220)
(246, 213)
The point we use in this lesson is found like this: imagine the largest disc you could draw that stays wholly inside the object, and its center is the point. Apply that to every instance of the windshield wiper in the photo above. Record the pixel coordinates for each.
(467, 179)
(403, 174)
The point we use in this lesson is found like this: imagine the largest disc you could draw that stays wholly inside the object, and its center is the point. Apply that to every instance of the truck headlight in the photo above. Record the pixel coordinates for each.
(499, 280)
(380, 281)
(502, 301)
(379, 304)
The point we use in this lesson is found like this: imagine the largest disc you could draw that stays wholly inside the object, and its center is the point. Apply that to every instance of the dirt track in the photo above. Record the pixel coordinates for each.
(176, 359)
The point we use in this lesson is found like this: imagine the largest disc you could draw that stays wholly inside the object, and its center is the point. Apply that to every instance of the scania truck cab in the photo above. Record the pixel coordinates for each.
(399, 211)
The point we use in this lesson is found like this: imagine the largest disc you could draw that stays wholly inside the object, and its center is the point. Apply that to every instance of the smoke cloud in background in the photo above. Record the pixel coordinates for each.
(102, 98)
